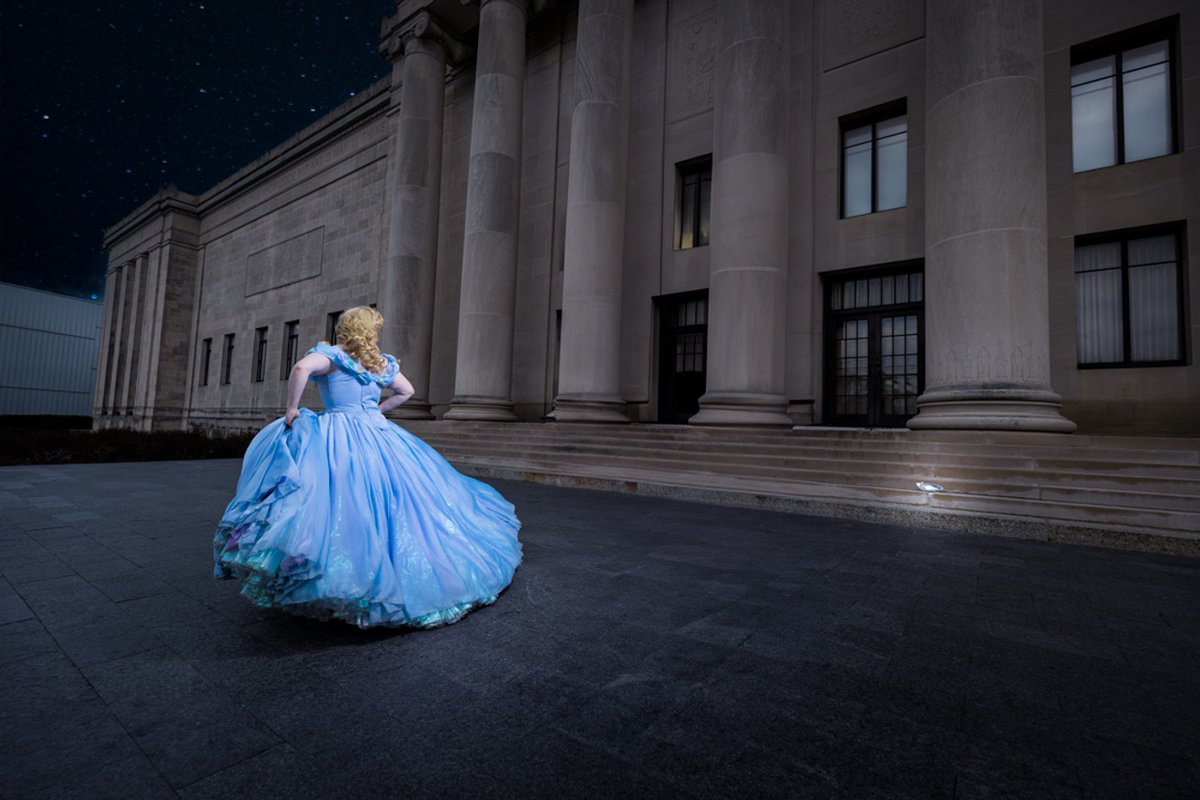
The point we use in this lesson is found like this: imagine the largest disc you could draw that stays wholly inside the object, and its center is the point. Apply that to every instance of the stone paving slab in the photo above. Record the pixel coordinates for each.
(647, 648)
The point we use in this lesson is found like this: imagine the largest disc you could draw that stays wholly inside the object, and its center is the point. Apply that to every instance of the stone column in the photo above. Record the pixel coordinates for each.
(133, 339)
(150, 337)
(119, 341)
(748, 281)
(986, 297)
(102, 356)
(483, 372)
(590, 358)
(421, 45)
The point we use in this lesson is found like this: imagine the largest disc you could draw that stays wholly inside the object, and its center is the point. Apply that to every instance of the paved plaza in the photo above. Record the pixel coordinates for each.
(646, 648)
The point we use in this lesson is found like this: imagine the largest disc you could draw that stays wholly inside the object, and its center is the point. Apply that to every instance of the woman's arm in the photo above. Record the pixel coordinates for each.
(403, 391)
(311, 364)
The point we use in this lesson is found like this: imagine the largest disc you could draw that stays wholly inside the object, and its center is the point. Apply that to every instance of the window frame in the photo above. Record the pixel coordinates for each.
(291, 347)
(700, 167)
(227, 364)
(1115, 44)
(261, 343)
(331, 325)
(1124, 236)
(205, 359)
(873, 116)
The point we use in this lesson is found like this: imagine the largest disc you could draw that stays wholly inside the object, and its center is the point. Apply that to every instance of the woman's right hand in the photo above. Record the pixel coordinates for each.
(290, 416)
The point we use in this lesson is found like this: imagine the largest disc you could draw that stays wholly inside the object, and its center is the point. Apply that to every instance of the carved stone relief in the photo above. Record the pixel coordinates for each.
(855, 29)
(693, 61)
(295, 259)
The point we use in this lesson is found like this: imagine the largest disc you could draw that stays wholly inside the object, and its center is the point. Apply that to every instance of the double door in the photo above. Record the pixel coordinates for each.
(874, 364)
(682, 355)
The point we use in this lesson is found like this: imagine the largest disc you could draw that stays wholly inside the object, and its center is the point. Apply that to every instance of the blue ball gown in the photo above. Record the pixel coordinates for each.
(348, 516)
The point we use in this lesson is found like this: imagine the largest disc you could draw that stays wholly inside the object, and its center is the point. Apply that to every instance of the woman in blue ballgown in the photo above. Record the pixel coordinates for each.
(345, 515)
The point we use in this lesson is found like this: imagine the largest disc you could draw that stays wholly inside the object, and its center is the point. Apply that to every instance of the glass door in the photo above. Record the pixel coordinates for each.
(874, 369)
(682, 355)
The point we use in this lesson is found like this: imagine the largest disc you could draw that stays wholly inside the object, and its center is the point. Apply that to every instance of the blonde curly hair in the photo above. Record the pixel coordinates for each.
(357, 332)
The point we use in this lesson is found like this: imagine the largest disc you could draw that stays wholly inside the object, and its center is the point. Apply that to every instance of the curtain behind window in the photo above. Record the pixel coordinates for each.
(1153, 300)
(1098, 303)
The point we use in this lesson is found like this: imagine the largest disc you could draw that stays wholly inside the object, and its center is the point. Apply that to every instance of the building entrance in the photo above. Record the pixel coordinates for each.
(874, 356)
(682, 355)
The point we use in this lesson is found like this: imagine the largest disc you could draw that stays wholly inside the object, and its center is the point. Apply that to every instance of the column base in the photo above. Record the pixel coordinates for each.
(743, 409)
(976, 409)
(480, 409)
(569, 409)
(801, 413)
(412, 409)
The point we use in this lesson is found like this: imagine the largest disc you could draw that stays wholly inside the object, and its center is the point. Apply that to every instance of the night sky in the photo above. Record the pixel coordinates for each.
(104, 103)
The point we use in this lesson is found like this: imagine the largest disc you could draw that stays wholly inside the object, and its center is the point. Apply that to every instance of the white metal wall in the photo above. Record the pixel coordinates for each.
(48, 347)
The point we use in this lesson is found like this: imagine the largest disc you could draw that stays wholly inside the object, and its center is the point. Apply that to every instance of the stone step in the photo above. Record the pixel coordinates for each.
(1094, 488)
(1031, 515)
(851, 436)
(1028, 485)
(650, 437)
(875, 459)
(1099, 474)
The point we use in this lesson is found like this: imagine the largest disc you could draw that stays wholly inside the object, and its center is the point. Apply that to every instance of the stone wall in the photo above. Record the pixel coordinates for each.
(304, 231)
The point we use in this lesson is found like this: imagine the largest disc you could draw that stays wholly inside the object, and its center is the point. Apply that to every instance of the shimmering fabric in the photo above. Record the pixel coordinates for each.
(346, 515)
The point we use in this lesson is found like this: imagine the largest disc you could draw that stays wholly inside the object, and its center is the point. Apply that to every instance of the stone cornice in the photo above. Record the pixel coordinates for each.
(398, 36)
(529, 6)
(168, 200)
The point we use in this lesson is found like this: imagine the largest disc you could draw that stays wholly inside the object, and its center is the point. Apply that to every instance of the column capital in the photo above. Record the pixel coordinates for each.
(536, 6)
(422, 29)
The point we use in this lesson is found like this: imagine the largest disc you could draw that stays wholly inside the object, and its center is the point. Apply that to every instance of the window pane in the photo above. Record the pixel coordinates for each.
(1147, 112)
(687, 214)
(1145, 56)
(1093, 70)
(1098, 317)
(705, 202)
(856, 174)
(892, 153)
(1152, 250)
(889, 290)
(1153, 313)
(1097, 256)
(1093, 115)
(857, 136)
(916, 291)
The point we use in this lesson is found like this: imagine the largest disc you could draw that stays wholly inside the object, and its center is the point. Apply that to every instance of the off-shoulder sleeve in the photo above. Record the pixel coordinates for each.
(347, 362)
(389, 372)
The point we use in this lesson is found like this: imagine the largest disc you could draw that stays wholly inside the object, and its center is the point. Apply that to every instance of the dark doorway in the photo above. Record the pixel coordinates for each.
(682, 354)
(874, 334)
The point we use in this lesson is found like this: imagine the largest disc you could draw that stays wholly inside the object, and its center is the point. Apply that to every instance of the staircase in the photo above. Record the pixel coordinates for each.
(1134, 492)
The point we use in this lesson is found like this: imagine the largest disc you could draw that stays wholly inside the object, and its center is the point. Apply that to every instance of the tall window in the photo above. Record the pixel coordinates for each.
(331, 327)
(695, 199)
(1122, 98)
(291, 346)
(205, 360)
(1128, 303)
(875, 160)
(260, 354)
(227, 365)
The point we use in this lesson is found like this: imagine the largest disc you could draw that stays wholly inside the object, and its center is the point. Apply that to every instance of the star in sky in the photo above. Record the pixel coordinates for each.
(102, 104)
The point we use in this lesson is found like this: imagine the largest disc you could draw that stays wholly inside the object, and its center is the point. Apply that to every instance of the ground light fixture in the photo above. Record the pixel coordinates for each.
(929, 487)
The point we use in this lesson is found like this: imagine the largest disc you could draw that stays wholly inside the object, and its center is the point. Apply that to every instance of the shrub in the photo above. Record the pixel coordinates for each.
(31, 445)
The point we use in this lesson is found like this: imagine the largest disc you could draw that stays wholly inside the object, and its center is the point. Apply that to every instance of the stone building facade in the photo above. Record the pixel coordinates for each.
(939, 214)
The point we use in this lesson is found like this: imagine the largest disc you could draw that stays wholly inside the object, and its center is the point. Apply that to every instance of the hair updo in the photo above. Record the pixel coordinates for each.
(357, 332)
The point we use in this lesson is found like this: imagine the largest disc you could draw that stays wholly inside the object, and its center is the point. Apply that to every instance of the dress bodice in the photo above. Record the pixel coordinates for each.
(351, 387)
